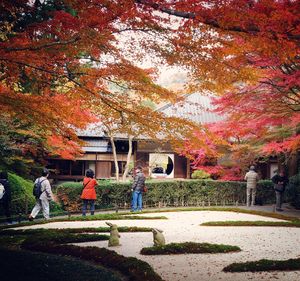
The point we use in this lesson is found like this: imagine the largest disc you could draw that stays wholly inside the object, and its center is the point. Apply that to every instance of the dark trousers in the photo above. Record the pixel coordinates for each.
(84, 206)
(279, 199)
(6, 207)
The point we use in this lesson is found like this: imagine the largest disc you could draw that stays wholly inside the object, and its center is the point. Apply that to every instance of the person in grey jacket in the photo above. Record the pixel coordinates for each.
(137, 190)
(252, 178)
(42, 203)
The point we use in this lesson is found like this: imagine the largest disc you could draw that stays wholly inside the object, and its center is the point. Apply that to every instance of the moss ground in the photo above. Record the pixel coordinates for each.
(23, 265)
(264, 265)
(253, 223)
(189, 248)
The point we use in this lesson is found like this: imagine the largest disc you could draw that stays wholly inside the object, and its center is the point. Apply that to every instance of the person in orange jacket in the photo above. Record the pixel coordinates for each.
(88, 194)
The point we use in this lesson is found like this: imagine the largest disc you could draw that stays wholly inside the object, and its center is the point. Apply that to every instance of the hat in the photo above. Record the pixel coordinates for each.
(252, 168)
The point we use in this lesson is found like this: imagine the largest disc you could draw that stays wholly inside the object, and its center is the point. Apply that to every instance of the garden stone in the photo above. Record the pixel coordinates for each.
(114, 235)
(158, 237)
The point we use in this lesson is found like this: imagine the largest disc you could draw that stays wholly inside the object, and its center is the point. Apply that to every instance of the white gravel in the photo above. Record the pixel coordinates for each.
(256, 243)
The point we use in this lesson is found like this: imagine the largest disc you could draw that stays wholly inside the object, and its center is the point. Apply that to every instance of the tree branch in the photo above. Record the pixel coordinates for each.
(44, 46)
(252, 29)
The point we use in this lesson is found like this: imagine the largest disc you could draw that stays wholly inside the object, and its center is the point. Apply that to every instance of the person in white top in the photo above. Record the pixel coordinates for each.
(252, 178)
(46, 195)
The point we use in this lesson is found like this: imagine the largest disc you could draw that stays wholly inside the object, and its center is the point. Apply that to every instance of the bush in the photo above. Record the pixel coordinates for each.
(200, 174)
(167, 193)
(21, 191)
(293, 191)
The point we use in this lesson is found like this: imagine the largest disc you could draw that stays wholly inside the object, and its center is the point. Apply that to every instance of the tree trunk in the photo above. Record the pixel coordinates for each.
(114, 150)
(130, 138)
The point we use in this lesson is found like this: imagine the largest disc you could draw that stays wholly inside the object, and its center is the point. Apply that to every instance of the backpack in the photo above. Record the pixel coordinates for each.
(2, 191)
(37, 188)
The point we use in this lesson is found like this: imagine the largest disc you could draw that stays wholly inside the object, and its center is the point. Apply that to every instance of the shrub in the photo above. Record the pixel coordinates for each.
(167, 193)
(293, 191)
(21, 191)
(200, 174)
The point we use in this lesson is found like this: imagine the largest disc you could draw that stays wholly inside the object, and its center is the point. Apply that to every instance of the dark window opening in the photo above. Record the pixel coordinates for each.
(121, 165)
(77, 168)
(170, 166)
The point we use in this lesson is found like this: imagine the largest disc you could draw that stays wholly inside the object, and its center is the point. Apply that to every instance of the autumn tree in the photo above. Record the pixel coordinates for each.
(247, 52)
(60, 58)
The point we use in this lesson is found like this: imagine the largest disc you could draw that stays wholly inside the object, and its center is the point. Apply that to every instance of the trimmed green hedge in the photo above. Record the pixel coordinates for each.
(167, 193)
(293, 191)
(21, 191)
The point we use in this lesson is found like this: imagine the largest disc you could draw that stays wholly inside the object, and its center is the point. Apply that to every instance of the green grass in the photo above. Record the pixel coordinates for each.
(253, 223)
(73, 230)
(264, 265)
(189, 248)
(15, 238)
(11, 241)
(124, 216)
(22, 265)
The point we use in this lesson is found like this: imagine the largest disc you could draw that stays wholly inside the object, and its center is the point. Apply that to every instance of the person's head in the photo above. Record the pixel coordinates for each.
(138, 169)
(252, 168)
(281, 173)
(45, 172)
(89, 173)
(3, 175)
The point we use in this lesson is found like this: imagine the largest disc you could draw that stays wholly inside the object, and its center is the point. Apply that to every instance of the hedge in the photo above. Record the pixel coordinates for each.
(167, 193)
(293, 191)
(21, 191)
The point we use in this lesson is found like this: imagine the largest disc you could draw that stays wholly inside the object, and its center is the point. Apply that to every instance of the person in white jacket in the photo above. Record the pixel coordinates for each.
(42, 202)
(252, 178)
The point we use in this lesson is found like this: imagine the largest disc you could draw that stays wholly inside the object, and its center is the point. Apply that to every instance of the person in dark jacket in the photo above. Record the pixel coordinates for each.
(137, 190)
(280, 181)
(6, 199)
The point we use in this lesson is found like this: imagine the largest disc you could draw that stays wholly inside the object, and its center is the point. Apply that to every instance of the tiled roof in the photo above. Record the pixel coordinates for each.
(98, 130)
(96, 145)
(195, 107)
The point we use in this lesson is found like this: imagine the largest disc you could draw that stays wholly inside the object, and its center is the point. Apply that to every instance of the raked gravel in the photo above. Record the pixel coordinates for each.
(256, 243)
